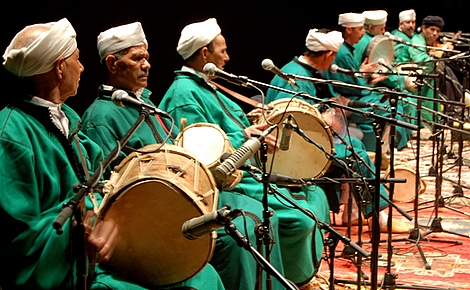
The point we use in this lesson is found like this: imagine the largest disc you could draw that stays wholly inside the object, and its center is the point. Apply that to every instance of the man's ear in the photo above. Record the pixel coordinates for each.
(111, 63)
(204, 52)
(59, 67)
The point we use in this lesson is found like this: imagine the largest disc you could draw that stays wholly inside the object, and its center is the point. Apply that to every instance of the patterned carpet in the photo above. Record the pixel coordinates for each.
(444, 242)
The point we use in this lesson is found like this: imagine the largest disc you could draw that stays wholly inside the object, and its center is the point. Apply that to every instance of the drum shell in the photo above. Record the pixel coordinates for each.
(150, 196)
(405, 192)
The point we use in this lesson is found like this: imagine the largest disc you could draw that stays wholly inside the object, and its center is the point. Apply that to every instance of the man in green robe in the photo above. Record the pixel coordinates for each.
(123, 52)
(193, 97)
(405, 31)
(45, 156)
(351, 25)
(320, 51)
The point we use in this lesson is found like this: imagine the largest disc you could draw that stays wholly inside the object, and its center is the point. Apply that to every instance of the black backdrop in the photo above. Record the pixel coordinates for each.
(254, 30)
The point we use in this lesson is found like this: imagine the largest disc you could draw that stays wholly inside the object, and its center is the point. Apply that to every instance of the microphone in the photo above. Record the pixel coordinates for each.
(286, 134)
(268, 64)
(241, 155)
(281, 179)
(122, 99)
(196, 228)
(360, 104)
(211, 70)
(383, 63)
(245, 166)
(446, 39)
(336, 69)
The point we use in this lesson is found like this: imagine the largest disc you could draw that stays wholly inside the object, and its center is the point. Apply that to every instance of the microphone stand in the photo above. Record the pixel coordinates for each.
(74, 206)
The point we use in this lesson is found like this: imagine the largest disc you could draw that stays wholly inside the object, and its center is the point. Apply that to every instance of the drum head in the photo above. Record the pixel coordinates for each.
(380, 47)
(152, 249)
(302, 159)
(405, 192)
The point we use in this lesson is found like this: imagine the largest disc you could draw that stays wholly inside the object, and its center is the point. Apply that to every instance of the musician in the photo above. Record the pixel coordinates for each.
(123, 51)
(194, 97)
(422, 54)
(406, 30)
(44, 156)
(321, 47)
(352, 28)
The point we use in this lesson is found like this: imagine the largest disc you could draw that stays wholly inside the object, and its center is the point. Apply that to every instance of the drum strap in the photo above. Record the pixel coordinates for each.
(237, 95)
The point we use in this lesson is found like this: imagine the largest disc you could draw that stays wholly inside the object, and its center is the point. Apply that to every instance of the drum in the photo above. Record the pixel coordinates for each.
(380, 47)
(150, 196)
(302, 159)
(405, 192)
(209, 142)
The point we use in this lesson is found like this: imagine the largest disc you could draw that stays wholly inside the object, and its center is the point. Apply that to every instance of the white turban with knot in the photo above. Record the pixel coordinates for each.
(121, 37)
(40, 56)
(197, 35)
(407, 15)
(318, 41)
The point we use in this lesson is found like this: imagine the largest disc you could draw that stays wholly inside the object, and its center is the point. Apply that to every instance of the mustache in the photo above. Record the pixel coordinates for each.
(143, 74)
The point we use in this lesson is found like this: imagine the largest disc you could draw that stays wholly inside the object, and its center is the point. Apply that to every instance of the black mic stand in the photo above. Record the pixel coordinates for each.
(262, 230)
(75, 206)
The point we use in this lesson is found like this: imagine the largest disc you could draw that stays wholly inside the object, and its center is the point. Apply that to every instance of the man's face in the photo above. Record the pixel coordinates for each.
(408, 27)
(356, 34)
(133, 69)
(377, 29)
(219, 56)
(72, 71)
(430, 33)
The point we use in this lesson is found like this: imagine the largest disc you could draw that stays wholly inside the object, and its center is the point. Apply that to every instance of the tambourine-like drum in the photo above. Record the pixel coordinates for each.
(405, 192)
(380, 47)
(208, 142)
(303, 159)
(150, 196)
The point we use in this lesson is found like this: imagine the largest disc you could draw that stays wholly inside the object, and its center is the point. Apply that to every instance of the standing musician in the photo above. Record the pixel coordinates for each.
(44, 157)
(321, 47)
(194, 97)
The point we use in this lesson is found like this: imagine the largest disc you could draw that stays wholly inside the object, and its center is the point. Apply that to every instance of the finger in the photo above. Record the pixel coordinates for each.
(108, 249)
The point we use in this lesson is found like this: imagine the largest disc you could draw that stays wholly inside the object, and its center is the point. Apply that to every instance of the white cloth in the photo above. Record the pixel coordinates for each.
(197, 35)
(407, 15)
(375, 17)
(351, 20)
(120, 37)
(40, 56)
(318, 41)
(58, 116)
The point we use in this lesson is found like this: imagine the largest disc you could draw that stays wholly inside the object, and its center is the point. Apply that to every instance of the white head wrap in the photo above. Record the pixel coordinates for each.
(351, 20)
(121, 37)
(407, 15)
(375, 17)
(197, 35)
(319, 41)
(40, 56)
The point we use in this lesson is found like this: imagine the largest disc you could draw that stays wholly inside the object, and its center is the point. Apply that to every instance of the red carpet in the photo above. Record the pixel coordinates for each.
(447, 252)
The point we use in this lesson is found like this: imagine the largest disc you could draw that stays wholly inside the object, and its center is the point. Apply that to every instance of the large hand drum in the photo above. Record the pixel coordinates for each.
(150, 196)
(380, 47)
(208, 142)
(302, 159)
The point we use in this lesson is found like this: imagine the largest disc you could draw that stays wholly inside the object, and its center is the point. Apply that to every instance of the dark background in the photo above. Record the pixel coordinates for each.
(254, 30)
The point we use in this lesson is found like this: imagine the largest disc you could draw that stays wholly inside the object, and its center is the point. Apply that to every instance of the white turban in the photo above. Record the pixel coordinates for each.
(40, 56)
(318, 41)
(351, 20)
(375, 17)
(197, 35)
(407, 15)
(121, 37)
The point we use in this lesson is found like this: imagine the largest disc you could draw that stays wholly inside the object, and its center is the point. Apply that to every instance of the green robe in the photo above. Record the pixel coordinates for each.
(345, 59)
(191, 97)
(104, 122)
(324, 92)
(40, 170)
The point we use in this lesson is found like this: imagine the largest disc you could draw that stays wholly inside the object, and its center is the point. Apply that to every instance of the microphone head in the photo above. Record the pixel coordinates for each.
(381, 60)
(118, 96)
(210, 69)
(387, 34)
(267, 64)
(334, 68)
